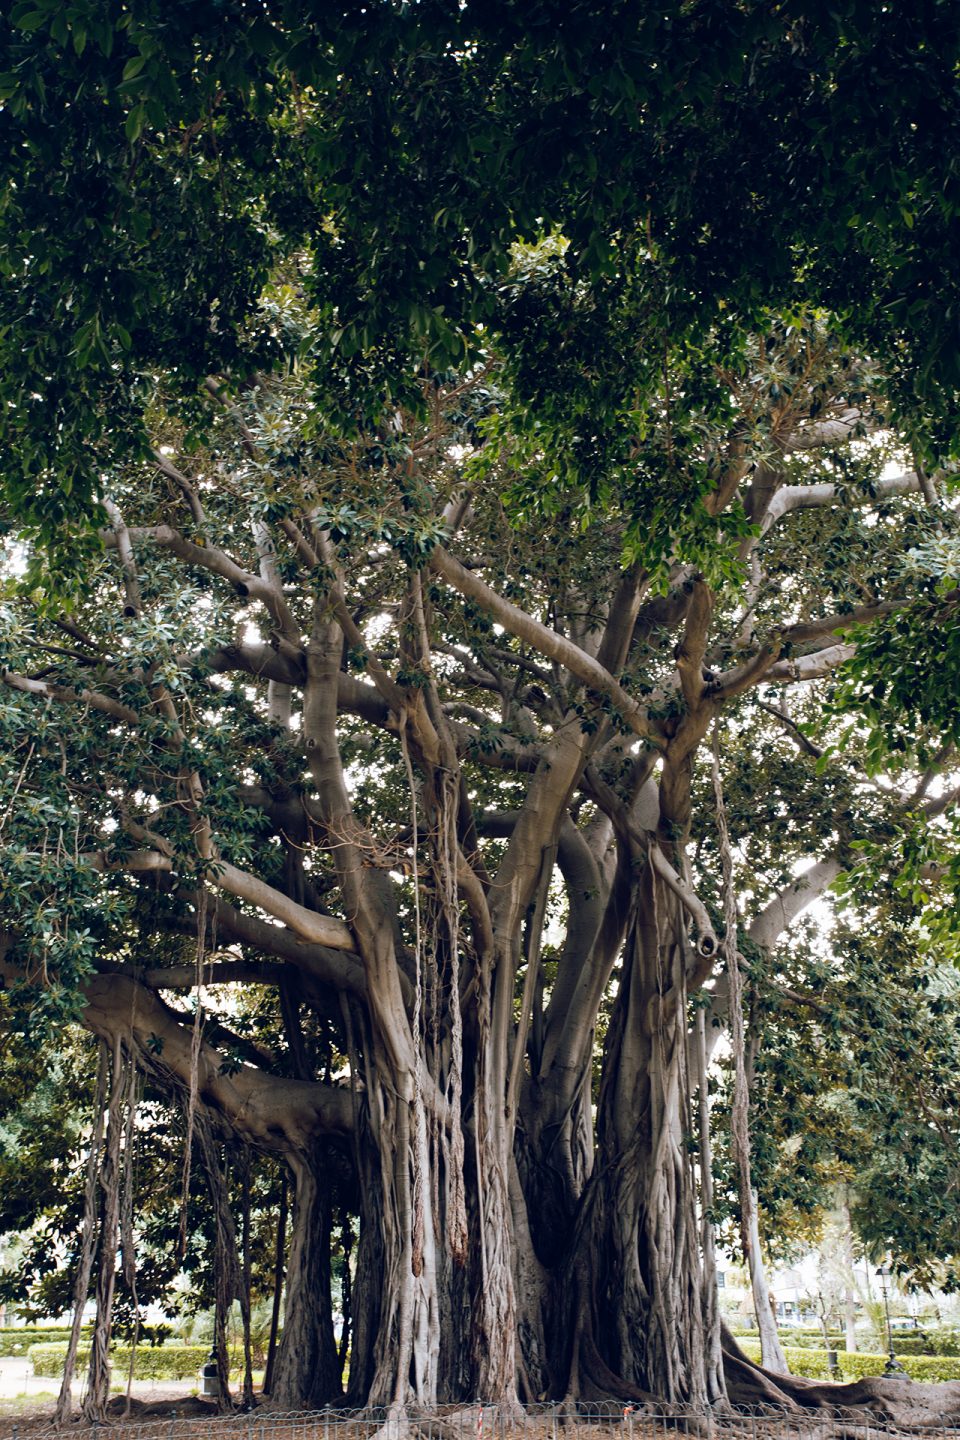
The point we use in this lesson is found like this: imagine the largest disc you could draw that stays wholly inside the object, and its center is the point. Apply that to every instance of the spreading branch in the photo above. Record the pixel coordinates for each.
(581, 666)
(820, 496)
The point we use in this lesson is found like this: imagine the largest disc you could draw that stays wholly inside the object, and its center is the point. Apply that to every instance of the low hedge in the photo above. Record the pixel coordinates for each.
(931, 1368)
(814, 1365)
(794, 1335)
(159, 1362)
(932, 1342)
(17, 1339)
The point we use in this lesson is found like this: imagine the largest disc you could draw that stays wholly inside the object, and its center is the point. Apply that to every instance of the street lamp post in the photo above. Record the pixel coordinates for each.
(892, 1368)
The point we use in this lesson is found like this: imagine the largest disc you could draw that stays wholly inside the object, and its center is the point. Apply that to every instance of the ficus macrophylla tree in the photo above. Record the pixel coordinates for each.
(409, 416)
(326, 727)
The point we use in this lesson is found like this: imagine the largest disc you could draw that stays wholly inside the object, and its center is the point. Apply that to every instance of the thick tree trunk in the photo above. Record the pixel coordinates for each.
(495, 1332)
(532, 1287)
(366, 1300)
(642, 1323)
(307, 1369)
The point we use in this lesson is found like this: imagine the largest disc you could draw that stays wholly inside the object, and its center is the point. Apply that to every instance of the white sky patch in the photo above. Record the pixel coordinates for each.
(13, 561)
(377, 628)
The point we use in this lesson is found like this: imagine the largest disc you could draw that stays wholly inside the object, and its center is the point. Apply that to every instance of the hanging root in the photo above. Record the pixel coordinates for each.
(98, 1384)
(419, 1146)
(228, 1281)
(740, 1109)
(196, 1040)
(127, 1240)
(88, 1236)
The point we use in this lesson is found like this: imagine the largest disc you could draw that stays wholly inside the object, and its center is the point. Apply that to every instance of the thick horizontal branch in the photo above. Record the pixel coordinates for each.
(818, 434)
(270, 1111)
(263, 662)
(340, 969)
(135, 862)
(743, 677)
(767, 928)
(940, 804)
(319, 929)
(354, 696)
(219, 972)
(765, 668)
(322, 969)
(810, 667)
(814, 497)
(807, 630)
(779, 913)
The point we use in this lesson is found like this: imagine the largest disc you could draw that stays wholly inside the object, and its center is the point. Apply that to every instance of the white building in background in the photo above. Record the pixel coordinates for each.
(792, 1290)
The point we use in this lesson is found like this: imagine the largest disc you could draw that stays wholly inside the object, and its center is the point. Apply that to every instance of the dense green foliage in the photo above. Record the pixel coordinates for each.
(856, 1038)
(159, 162)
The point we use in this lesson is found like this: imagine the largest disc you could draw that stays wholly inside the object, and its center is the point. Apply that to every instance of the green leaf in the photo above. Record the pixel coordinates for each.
(135, 123)
(32, 20)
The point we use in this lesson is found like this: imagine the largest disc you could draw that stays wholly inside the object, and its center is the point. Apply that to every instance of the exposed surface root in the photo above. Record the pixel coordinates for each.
(911, 1406)
(395, 1427)
(187, 1408)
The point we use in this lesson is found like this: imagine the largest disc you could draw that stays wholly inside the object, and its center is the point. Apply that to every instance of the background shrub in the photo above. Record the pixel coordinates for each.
(160, 1362)
(813, 1363)
(17, 1339)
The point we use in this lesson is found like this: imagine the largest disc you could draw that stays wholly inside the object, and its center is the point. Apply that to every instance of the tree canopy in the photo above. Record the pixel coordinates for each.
(159, 163)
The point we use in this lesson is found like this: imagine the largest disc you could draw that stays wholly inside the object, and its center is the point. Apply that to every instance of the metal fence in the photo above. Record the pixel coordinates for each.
(482, 1422)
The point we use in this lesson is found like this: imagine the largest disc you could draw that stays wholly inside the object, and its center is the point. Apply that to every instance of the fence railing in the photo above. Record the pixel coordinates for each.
(486, 1422)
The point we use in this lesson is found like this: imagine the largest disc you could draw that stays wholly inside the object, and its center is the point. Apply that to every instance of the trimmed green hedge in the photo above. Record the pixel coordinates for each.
(17, 1339)
(813, 1363)
(160, 1362)
(927, 1342)
(919, 1367)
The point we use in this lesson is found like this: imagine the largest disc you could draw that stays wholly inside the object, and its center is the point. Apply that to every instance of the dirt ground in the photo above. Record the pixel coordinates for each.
(172, 1416)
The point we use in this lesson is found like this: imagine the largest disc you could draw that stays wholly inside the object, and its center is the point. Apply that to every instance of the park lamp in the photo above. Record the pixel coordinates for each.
(893, 1369)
